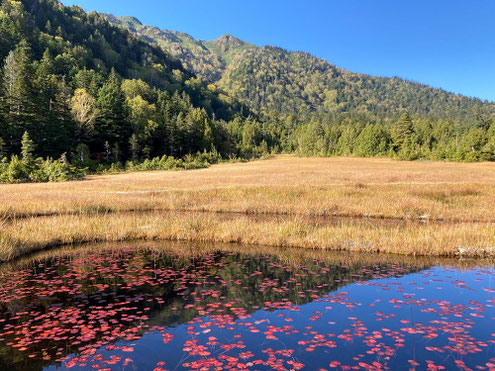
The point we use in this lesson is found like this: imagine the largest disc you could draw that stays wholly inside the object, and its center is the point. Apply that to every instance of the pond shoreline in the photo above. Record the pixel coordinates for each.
(173, 304)
(342, 204)
(291, 255)
(413, 238)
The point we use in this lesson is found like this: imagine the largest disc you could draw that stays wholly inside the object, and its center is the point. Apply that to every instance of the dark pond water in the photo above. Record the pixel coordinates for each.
(143, 308)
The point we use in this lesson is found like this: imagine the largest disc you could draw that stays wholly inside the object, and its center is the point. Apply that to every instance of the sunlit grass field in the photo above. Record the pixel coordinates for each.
(428, 208)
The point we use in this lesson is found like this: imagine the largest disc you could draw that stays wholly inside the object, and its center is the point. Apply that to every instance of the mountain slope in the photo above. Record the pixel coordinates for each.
(208, 59)
(50, 25)
(269, 78)
(71, 79)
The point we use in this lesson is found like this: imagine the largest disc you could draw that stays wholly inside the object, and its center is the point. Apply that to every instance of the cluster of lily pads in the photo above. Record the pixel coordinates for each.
(132, 308)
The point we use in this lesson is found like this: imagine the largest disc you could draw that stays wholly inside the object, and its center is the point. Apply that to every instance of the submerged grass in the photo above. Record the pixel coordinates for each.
(232, 202)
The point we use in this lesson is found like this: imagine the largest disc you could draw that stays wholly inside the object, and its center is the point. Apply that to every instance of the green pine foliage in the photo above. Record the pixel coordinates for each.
(310, 107)
(270, 78)
(406, 139)
(30, 169)
(101, 98)
(82, 86)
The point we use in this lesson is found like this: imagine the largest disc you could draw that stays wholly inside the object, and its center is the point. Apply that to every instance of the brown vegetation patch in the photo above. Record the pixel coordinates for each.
(299, 190)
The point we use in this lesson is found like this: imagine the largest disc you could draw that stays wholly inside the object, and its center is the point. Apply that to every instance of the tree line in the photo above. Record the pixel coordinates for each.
(273, 79)
(92, 93)
(79, 95)
(351, 134)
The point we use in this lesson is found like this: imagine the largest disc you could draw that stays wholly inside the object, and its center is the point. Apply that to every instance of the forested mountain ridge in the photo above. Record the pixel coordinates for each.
(270, 78)
(79, 94)
(208, 59)
(70, 79)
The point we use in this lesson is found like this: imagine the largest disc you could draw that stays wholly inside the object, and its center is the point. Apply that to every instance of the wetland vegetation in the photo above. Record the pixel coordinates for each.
(169, 306)
(362, 238)
(369, 205)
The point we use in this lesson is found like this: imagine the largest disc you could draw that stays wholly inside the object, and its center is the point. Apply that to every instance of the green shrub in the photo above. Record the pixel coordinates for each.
(39, 170)
(49, 170)
(15, 172)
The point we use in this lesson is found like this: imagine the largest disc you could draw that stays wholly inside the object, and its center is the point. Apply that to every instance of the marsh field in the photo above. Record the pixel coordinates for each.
(344, 204)
(281, 264)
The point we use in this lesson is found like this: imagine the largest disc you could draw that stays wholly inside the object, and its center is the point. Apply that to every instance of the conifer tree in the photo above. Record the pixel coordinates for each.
(111, 125)
(373, 141)
(61, 128)
(19, 98)
(403, 130)
(13, 24)
(54, 129)
(27, 149)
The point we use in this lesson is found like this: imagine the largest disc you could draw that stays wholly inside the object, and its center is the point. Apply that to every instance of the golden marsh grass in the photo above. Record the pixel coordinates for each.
(409, 238)
(202, 205)
(379, 188)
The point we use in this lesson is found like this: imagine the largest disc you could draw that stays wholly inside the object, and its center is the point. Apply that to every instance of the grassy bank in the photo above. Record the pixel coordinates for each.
(276, 202)
(444, 239)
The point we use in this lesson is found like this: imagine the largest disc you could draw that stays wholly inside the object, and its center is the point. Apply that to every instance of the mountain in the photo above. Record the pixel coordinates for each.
(269, 78)
(70, 78)
(48, 25)
(104, 92)
(208, 59)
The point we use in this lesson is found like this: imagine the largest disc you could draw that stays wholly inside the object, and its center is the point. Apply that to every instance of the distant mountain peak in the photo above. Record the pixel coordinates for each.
(269, 78)
(122, 21)
(133, 20)
(227, 41)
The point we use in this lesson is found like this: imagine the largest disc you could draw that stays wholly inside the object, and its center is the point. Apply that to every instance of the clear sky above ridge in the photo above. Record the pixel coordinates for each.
(448, 44)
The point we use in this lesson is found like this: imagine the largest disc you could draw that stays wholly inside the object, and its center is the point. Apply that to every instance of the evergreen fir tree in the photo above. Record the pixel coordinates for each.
(27, 149)
(18, 91)
(111, 125)
(403, 130)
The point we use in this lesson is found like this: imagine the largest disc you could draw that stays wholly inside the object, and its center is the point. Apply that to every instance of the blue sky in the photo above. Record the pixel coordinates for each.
(444, 43)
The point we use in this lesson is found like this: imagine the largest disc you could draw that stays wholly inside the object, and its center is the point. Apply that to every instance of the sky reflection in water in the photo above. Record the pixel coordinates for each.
(136, 308)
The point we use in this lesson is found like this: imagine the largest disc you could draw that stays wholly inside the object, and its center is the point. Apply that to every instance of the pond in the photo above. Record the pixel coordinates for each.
(182, 307)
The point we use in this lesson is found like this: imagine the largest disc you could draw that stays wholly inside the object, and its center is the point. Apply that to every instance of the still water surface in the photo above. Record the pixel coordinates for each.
(179, 308)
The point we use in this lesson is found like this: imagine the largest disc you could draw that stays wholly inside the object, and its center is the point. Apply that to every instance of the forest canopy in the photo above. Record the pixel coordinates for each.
(79, 94)
(270, 78)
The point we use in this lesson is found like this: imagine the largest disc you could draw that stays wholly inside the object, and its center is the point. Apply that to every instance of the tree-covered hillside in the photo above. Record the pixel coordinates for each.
(194, 55)
(79, 94)
(71, 80)
(270, 78)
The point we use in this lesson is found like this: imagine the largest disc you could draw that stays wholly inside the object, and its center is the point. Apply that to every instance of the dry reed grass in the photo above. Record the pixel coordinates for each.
(416, 239)
(378, 188)
(299, 189)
